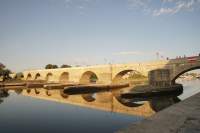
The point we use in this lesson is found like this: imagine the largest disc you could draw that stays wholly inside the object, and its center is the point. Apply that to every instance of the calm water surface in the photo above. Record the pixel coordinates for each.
(25, 114)
(190, 88)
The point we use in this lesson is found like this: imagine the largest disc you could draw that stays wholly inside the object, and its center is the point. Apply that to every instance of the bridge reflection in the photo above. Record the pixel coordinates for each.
(122, 98)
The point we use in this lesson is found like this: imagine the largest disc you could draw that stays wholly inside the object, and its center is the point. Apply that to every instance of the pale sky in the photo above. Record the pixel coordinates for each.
(34, 33)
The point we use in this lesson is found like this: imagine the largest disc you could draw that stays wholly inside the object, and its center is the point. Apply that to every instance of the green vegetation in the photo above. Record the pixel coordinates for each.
(4, 72)
(51, 66)
(65, 66)
(93, 78)
(190, 74)
(137, 79)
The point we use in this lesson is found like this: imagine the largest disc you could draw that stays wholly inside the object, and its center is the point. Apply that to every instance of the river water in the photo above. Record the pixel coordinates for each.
(25, 114)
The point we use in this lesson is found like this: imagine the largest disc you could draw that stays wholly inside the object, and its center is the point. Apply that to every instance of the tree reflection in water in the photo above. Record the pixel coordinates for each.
(3, 94)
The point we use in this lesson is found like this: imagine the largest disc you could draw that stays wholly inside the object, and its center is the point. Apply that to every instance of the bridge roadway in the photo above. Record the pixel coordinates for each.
(183, 117)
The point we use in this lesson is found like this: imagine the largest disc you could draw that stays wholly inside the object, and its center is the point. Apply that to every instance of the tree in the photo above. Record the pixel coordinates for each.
(65, 66)
(54, 66)
(51, 66)
(4, 73)
(2, 66)
(48, 66)
(93, 78)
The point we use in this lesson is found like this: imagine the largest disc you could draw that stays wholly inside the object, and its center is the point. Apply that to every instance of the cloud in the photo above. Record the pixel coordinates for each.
(179, 6)
(158, 8)
(78, 3)
(129, 53)
(161, 54)
(139, 4)
(164, 6)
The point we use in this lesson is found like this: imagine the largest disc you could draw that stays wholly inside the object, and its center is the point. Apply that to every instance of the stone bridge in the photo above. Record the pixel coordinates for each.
(107, 74)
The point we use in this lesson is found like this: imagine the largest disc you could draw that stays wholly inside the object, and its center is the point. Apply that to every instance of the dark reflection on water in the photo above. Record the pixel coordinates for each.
(25, 114)
(3, 94)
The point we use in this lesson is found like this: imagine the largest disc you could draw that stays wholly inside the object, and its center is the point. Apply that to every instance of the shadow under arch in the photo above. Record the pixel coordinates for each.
(64, 77)
(49, 77)
(89, 77)
(37, 76)
(124, 75)
(184, 71)
(29, 77)
(28, 91)
(22, 76)
(119, 76)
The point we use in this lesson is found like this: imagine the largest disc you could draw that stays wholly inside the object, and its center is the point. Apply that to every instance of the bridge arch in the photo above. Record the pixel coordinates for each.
(124, 75)
(119, 76)
(88, 77)
(49, 77)
(22, 76)
(37, 76)
(179, 73)
(64, 77)
(29, 77)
